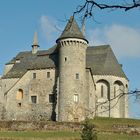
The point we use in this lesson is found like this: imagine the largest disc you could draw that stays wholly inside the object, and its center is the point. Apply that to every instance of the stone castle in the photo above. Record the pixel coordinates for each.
(67, 82)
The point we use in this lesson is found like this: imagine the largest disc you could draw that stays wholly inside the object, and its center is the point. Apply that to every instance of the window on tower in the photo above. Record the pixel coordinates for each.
(34, 75)
(65, 59)
(48, 75)
(77, 76)
(76, 98)
(51, 98)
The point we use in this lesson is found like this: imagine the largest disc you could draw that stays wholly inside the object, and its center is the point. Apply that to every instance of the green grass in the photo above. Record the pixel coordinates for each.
(104, 126)
(59, 135)
(112, 136)
(39, 134)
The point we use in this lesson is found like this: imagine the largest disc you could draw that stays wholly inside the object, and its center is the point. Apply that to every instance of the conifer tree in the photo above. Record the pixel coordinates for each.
(88, 131)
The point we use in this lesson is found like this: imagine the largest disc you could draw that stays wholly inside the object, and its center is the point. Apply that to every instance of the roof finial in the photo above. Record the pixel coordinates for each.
(35, 41)
(83, 26)
(35, 44)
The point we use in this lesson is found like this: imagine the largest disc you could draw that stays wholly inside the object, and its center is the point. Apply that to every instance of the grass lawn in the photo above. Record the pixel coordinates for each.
(112, 136)
(104, 127)
(106, 124)
(59, 135)
(39, 135)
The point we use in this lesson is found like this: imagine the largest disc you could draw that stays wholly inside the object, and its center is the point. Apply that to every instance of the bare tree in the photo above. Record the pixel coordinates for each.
(87, 8)
(135, 93)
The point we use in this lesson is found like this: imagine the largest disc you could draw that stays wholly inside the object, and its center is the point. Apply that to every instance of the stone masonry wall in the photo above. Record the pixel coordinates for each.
(118, 107)
(41, 87)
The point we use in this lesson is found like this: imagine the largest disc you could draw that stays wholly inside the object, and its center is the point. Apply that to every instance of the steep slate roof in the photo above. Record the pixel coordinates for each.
(41, 60)
(100, 59)
(71, 30)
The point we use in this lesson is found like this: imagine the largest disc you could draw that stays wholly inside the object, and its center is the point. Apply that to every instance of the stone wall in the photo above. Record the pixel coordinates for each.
(36, 89)
(90, 91)
(118, 107)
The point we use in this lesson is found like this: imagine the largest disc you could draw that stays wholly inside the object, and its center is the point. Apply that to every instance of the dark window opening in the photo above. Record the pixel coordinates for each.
(48, 74)
(77, 76)
(102, 91)
(65, 59)
(19, 104)
(34, 75)
(51, 98)
(34, 99)
(114, 91)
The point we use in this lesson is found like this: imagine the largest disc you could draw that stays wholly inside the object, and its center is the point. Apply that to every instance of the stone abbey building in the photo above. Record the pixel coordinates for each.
(67, 82)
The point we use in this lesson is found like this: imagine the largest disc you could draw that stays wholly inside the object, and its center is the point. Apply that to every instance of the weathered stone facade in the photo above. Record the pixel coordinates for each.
(68, 82)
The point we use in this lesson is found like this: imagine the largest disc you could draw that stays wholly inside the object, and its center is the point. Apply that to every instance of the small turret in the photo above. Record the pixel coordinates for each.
(35, 45)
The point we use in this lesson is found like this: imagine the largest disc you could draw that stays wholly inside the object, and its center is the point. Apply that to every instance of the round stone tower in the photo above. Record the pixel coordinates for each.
(73, 98)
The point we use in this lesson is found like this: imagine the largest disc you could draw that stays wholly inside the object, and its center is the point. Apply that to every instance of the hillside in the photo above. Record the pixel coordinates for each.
(107, 129)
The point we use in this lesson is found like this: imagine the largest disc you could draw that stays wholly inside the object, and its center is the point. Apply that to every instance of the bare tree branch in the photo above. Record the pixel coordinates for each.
(118, 97)
(89, 5)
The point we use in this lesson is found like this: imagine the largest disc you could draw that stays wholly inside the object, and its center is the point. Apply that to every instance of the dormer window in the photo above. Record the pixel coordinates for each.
(17, 60)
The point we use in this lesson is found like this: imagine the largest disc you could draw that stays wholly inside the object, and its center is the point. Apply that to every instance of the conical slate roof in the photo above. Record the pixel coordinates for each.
(71, 30)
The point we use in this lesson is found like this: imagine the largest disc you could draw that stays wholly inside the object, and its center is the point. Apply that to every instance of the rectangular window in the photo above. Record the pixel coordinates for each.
(34, 99)
(77, 76)
(48, 74)
(76, 98)
(51, 98)
(34, 75)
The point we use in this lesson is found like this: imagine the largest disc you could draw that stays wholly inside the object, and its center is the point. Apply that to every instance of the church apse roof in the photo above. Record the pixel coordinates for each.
(100, 59)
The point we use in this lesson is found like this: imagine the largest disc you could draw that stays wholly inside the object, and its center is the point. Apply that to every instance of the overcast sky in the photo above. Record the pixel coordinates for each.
(19, 19)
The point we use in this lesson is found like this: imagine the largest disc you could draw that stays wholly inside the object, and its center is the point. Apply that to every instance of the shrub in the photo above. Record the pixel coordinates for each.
(88, 131)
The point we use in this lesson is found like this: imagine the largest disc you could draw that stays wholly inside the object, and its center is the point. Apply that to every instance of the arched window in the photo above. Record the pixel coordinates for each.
(102, 91)
(19, 94)
(120, 99)
(114, 91)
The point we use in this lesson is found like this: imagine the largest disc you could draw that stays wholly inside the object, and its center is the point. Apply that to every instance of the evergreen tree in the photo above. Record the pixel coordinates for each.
(88, 131)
